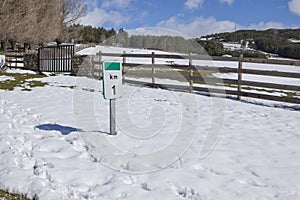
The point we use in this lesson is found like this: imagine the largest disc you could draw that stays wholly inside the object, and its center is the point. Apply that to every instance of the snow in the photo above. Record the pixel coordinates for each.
(294, 40)
(109, 49)
(264, 79)
(19, 71)
(2, 60)
(232, 46)
(54, 144)
(6, 78)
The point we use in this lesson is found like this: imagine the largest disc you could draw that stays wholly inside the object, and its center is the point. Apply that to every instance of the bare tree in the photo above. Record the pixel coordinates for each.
(37, 21)
(47, 24)
(73, 10)
(7, 32)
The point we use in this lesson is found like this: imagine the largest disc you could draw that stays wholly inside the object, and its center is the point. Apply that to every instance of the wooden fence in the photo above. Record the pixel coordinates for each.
(199, 79)
(14, 58)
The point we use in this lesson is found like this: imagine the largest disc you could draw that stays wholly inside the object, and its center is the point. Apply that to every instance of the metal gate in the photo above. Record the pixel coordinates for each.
(56, 58)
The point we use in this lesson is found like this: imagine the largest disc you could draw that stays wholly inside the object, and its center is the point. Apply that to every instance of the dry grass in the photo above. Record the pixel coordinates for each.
(8, 196)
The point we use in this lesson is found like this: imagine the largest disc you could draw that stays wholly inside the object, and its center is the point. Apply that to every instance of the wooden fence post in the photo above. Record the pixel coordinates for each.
(123, 69)
(240, 73)
(153, 69)
(93, 67)
(191, 74)
(101, 65)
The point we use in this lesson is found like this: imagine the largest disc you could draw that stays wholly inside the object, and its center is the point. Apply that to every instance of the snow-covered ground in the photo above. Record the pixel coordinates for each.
(5, 78)
(294, 40)
(54, 144)
(232, 46)
(109, 49)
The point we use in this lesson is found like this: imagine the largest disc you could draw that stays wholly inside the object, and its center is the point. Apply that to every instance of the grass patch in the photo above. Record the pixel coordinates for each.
(8, 196)
(22, 81)
(259, 89)
(291, 94)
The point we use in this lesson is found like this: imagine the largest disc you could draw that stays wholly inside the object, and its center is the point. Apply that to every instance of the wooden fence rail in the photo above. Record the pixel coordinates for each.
(197, 78)
(14, 58)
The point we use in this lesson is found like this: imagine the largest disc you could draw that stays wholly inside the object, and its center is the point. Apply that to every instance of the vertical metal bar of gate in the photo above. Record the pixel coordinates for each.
(49, 54)
(69, 53)
(65, 57)
(54, 68)
(72, 53)
(61, 58)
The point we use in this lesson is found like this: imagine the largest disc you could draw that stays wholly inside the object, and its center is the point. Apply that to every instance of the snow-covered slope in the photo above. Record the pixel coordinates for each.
(111, 49)
(54, 144)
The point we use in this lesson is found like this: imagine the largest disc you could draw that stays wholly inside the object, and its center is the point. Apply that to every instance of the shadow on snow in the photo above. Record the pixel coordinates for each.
(64, 130)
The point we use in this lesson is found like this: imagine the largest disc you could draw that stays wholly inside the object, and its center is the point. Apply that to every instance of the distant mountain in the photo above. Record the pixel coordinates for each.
(284, 42)
(279, 34)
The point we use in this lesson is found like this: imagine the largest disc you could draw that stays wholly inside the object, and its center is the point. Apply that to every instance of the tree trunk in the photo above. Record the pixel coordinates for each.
(27, 47)
(13, 45)
(4, 45)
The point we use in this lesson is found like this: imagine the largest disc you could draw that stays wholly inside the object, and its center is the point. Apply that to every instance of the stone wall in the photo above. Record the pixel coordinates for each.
(79, 63)
(31, 61)
(84, 65)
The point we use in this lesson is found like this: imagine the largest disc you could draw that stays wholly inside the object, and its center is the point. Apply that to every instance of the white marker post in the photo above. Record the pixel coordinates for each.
(112, 89)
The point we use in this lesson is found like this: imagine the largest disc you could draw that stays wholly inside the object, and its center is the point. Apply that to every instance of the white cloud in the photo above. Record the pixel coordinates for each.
(263, 26)
(229, 2)
(107, 12)
(294, 6)
(201, 26)
(193, 4)
(116, 3)
(98, 17)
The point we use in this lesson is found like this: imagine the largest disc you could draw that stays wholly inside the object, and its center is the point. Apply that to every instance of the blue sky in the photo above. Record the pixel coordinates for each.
(194, 18)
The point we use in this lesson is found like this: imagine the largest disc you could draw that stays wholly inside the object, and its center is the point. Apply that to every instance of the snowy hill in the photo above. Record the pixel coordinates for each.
(54, 144)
